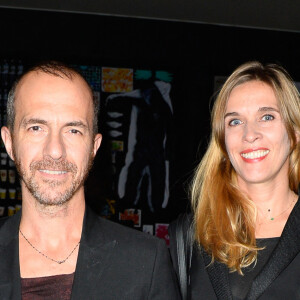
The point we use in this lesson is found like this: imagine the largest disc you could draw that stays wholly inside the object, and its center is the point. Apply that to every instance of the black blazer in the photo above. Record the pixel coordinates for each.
(278, 279)
(114, 262)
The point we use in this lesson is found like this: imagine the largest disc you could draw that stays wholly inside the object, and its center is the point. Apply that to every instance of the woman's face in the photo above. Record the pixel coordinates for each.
(256, 139)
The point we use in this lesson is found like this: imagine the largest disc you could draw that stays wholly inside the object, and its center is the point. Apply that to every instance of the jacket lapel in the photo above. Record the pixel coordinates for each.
(286, 250)
(218, 275)
(10, 280)
(93, 258)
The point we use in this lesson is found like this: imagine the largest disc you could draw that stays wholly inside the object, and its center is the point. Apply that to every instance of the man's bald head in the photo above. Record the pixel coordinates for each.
(52, 68)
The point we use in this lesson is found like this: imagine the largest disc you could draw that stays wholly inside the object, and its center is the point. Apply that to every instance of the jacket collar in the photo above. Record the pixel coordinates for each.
(218, 275)
(94, 255)
(286, 250)
(95, 251)
(10, 281)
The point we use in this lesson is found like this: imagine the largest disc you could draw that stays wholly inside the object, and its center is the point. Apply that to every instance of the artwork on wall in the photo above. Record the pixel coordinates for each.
(136, 114)
(138, 124)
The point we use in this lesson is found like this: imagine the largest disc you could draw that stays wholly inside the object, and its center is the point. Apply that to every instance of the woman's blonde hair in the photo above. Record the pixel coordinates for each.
(225, 217)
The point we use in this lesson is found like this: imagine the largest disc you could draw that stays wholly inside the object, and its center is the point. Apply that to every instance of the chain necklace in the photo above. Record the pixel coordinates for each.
(270, 218)
(57, 261)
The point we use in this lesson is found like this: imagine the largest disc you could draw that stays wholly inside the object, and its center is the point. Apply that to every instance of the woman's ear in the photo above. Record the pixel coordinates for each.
(7, 139)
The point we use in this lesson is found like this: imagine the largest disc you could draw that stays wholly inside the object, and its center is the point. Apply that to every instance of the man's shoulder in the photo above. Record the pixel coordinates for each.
(3, 221)
(9, 228)
(98, 232)
(123, 234)
(9, 221)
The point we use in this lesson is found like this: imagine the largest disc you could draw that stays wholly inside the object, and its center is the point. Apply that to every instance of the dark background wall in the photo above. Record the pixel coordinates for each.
(271, 14)
(194, 52)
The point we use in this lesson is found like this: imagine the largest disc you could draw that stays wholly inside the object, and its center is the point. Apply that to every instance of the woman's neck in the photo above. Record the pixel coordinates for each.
(274, 204)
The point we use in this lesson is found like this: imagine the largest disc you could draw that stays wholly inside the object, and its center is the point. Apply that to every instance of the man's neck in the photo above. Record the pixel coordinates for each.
(54, 222)
(55, 235)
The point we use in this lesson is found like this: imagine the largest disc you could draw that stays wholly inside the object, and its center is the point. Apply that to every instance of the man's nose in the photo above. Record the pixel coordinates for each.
(55, 147)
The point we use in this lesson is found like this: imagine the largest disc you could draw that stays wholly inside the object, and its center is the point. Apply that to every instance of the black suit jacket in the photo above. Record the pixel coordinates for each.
(114, 262)
(278, 279)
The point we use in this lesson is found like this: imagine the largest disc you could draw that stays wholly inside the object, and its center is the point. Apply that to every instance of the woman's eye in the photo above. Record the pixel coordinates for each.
(267, 118)
(235, 122)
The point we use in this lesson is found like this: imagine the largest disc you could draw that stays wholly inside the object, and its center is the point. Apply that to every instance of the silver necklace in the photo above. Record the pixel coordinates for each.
(57, 261)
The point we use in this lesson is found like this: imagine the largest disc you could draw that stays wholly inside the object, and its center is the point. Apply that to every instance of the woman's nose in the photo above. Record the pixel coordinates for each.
(251, 133)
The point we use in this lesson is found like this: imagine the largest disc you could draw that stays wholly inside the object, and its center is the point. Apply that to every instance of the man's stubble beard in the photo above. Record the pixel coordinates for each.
(39, 191)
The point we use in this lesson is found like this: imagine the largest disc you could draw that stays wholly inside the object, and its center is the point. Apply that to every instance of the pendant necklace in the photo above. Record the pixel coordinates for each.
(272, 218)
(40, 252)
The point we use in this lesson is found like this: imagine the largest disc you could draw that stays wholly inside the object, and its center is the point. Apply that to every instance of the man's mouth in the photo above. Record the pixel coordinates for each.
(53, 172)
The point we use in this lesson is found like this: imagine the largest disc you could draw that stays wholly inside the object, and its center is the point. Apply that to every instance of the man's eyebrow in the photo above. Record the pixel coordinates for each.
(76, 124)
(33, 121)
(44, 122)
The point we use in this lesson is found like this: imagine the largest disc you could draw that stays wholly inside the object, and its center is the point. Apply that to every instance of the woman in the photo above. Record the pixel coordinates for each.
(244, 195)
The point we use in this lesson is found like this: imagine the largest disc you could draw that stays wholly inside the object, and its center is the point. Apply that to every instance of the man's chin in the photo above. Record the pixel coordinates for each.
(54, 198)
(52, 201)
(51, 184)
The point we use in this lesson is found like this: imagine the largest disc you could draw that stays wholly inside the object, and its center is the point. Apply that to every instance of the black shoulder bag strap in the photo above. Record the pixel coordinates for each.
(184, 241)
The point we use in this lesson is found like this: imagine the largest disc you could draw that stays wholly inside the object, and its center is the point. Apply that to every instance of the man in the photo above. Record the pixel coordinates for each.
(56, 248)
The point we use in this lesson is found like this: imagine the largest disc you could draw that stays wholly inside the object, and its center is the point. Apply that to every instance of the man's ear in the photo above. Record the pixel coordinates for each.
(7, 139)
(97, 142)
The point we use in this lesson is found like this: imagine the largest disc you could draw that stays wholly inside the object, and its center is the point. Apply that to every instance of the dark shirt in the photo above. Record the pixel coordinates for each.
(57, 287)
(240, 284)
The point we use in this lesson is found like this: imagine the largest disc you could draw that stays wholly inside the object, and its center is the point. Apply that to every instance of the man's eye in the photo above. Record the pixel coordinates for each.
(267, 118)
(35, 128)
(235, 122)
(75, 131)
